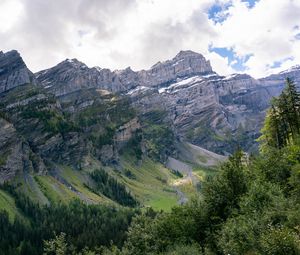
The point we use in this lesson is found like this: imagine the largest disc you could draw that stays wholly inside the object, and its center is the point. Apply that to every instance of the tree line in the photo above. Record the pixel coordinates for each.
(85, 226)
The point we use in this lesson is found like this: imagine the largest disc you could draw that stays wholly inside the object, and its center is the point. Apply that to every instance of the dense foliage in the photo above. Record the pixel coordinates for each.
(158, 135)
(84, 226)
(111, 188)
(282, 125)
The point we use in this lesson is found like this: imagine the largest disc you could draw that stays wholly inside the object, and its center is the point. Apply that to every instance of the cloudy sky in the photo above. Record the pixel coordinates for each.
(258, 37)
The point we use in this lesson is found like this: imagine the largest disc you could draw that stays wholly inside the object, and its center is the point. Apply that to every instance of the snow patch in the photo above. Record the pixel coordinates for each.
(138, 89)
(210, 75)
(231, 76)
(292, 69)
(98, 68)
(185, 82)
(177, 62)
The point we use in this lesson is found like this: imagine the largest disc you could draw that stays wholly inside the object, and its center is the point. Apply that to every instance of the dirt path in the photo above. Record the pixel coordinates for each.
(188, 177)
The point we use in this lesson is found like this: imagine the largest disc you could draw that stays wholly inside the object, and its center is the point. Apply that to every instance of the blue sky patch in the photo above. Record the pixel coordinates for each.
(277, 64)
(251, 3)
(217, 12)
(237, 63)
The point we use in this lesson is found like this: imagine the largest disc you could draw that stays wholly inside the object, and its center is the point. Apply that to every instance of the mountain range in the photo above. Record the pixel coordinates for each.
(59, 123)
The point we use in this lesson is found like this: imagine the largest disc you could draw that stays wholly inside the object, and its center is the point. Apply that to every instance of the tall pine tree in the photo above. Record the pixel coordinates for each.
(282, 123)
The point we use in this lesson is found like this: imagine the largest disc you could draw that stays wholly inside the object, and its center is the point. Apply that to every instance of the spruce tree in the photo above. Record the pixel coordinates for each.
(293, 106)
(282, 123)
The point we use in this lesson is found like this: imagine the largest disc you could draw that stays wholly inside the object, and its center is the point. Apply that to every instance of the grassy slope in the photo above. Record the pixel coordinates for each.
(7, 203)
(54, 190)
(152, 183)
(31, 188)
(78, 180)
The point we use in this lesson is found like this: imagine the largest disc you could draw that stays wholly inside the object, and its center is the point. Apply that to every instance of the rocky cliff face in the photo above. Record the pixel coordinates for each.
(13, 71)
(39, 130)
(69, 112)
(185, 63)
(275, 82)
(72, 75)
(11, 159)
(216, 112)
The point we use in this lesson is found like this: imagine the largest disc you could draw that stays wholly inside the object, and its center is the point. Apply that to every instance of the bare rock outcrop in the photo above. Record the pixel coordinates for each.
(13, 71)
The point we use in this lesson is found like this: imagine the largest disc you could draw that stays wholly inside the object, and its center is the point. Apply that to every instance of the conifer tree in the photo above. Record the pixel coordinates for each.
(282, 123)
(292, 105)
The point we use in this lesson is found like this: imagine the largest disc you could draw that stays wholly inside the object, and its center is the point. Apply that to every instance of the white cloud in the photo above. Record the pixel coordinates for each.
(111, 34)
(139, 33)
(219, 63)
(9, 13)
(266, 31)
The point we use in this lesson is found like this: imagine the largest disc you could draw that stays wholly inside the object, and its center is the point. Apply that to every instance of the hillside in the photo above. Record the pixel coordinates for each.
(53, 142)
(79, 141)
(61, 124)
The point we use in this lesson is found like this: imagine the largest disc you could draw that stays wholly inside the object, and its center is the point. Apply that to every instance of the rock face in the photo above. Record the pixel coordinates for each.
(67, 113)
(126, 131)
(210, 110)
(10, 150)
(216, 112)
(185, 63)
(72, 75)
(276, 81)
(13, 71)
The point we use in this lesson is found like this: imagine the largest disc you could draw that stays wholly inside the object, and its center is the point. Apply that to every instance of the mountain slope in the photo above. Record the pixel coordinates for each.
(13, 71)
(60, 125)
(215, 112)
(51, 145)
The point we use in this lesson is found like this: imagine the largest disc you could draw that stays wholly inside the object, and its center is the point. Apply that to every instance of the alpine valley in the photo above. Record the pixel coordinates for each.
(152, 135)
(164, 161)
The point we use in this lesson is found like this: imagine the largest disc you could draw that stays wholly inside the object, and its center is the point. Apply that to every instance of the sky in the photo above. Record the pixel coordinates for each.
(258, 37)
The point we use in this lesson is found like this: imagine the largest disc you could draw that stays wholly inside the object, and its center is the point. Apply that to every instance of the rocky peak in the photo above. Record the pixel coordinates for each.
(13, 71)
(184, 64)
(71, 75)
(127, 77)
(295, 68)
(278, 80)
(73, 63)
(183, 54)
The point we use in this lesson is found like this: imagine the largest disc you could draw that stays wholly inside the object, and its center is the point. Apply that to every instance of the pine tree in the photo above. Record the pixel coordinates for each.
(293, 106)
(282, 123)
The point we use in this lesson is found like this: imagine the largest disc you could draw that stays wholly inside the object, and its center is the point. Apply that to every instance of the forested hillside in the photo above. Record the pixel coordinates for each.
(251, 206)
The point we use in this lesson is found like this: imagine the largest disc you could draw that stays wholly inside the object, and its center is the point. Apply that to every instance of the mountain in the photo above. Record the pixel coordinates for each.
(216, 112)
(13, 71)
(61, 124)
(71, 74)
(53, 146)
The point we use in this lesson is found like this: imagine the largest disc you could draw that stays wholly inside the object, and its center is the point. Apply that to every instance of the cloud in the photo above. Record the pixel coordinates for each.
(46, 32)
(263, 36)
(265, 31)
